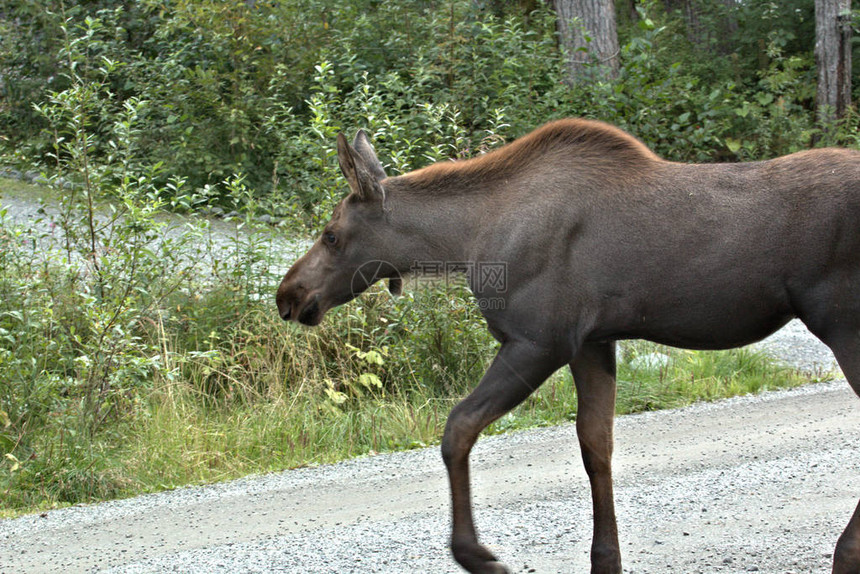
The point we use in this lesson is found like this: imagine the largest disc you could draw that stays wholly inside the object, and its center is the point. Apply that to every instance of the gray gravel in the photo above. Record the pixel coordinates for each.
(750, 484)
(794, 345)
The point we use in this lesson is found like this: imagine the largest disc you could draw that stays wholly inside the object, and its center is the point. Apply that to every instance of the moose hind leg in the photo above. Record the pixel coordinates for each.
(517, 370)
(594, 376)
(846, 558)
(846, 348)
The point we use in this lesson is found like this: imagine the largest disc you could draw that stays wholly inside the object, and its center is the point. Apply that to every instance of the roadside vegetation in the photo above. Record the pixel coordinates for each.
(140, 352)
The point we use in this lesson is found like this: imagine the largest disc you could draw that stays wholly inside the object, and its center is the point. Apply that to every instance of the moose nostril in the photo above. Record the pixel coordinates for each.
(286, 314)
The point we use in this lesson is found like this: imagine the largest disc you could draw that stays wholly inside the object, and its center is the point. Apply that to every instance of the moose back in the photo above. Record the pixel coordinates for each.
(601, 240)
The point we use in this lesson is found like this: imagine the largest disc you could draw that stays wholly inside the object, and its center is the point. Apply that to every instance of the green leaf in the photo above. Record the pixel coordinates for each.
(373, 358)
(370, 380)
(733, 145)
(13, 314)
(336, 397)
(765, 99)
(16, 464)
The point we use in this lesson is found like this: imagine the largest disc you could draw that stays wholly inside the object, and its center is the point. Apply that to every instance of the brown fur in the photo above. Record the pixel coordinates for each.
(601, 240)
(588, 142)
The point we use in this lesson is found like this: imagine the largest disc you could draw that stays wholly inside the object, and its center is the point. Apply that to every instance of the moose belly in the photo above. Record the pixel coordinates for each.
(708, 320)
(734, 332)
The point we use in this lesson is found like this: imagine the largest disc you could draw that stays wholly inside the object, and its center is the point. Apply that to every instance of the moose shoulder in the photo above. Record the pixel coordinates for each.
(599, 239)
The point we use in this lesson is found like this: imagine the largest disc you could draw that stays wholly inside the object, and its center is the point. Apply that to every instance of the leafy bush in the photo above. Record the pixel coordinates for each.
(261, 88)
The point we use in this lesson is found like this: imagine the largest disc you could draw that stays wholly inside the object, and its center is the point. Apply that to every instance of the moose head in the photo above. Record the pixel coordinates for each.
(355, 248)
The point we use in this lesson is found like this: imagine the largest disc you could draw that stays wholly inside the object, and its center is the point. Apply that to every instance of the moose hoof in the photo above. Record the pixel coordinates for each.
(477, 559)
(605, 560)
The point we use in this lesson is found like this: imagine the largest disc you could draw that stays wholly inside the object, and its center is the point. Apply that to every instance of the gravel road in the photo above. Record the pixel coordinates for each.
(751, 484)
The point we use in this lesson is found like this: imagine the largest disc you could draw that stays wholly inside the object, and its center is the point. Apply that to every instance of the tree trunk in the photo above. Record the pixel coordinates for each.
(833, 58)
(589, 38)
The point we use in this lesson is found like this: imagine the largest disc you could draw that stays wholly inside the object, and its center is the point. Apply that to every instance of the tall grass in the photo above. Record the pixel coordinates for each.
(281, 426)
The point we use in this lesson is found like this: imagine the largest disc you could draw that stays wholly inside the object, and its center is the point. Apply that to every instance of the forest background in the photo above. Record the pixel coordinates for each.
(140, 351)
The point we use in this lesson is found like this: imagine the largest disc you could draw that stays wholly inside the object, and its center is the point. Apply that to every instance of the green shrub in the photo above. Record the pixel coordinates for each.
(260, 89)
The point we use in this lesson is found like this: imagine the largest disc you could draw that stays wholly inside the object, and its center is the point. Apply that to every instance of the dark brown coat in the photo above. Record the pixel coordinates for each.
(600, 240)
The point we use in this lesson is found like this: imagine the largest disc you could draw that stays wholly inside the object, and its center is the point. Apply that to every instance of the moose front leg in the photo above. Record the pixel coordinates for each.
(594, 376)
(845, 343)
(518, 369)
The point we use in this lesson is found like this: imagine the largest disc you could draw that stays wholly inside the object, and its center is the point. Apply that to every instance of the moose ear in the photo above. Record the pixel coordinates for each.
(363, 179)
(347, 163)
(364, 148)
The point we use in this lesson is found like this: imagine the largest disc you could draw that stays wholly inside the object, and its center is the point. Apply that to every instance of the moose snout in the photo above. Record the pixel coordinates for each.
(285, 312)
(300, 306)
(285, 307)
(287, 298)
(296, 303)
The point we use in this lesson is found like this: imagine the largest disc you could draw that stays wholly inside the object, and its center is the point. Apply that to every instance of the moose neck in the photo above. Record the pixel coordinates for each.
(445, 210)
(441, 222)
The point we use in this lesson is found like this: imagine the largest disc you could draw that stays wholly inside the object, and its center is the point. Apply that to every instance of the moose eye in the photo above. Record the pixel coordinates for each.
(329, 238)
